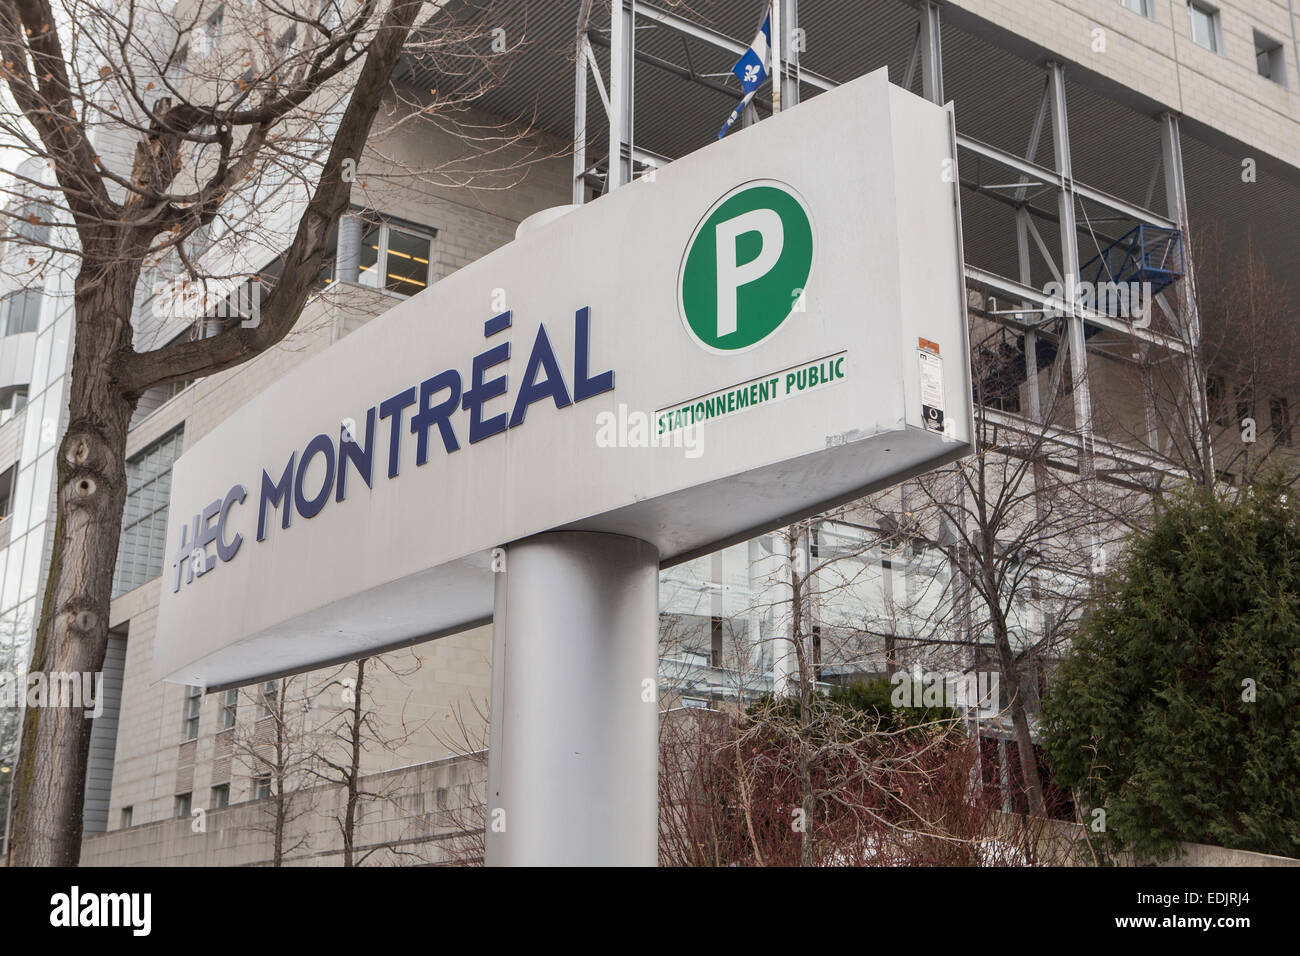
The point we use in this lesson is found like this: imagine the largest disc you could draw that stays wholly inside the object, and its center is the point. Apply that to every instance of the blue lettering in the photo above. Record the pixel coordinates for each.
(277, 494)
(235, 495)
(552, 386)
(392, 408)
(480, 391)
(362, 458)
(584, 385)
(439, 414)
(310, 507)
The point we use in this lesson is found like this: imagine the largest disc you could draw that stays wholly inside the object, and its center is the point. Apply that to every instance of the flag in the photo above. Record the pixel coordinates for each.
(751, 70)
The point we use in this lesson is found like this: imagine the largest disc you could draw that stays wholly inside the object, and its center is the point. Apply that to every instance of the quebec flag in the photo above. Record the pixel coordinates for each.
(751, 70)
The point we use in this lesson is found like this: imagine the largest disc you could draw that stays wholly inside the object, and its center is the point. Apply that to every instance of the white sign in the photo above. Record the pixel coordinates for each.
(748, 292)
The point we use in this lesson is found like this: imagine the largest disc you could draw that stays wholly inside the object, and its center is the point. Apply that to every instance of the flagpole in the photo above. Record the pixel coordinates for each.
(777, 62)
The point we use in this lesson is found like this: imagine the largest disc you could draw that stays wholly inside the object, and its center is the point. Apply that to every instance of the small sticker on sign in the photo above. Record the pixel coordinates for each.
(932, 403)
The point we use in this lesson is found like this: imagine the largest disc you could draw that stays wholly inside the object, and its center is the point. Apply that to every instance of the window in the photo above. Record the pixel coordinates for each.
(287, 45)
(400, 255)
(12, 401)
(1245, 403)
(193, 705)
(7, 479)
(220, 797)
(229, 708)
(1269, 59)
(1279, 415)
(330, 15)
(212, 30)
(270, 691)
(21, 311)
(128, 813)
(1204, 25)
(1138, 6)
(142, 549)
(32, 222)
(175, 68)
(1216, 392)
(716, 649)
(184, 801)
(261, 786)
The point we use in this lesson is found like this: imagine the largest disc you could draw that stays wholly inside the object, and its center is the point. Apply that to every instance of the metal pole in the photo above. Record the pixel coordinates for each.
(1070, 268)
(580, 121)
(1171, 151)
(778, 56)
(574, 758)
(931, 53)
(790, 49)
(622, 42)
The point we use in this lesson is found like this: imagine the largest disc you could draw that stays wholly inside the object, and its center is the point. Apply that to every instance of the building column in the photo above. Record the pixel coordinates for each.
(1070, 267)
(1171, 153)
(622, 43)
(347, 256)
(573, 757)
(931, 53)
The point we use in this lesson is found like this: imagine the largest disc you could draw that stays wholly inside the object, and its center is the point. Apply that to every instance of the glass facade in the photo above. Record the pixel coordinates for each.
(142, 550)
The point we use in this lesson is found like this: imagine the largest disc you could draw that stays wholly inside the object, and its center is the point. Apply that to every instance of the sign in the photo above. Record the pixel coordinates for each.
(748, 297)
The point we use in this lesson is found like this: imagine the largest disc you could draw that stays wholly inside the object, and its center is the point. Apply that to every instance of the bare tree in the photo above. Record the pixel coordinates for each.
(346, 738)
(154, 126)
(278, 752)
(1215, 404)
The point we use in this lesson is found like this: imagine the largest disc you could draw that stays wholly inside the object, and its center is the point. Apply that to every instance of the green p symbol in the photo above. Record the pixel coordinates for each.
(746, 265)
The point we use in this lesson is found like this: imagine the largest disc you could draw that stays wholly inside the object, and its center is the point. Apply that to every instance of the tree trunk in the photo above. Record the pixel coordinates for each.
(72, 633)
(1020, 722)
(354, 771)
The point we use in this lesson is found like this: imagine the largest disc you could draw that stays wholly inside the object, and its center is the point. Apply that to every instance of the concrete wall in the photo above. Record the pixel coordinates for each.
(1156, 58)
(424, 822)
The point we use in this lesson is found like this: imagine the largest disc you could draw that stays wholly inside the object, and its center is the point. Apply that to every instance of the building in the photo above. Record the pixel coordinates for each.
(1095, 137)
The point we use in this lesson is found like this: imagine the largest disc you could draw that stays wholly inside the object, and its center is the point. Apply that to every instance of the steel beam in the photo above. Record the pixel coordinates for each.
(1052, 178)
(1002, 286)
(622, 43)
(1070, 265)
(931, 53)
(1171, 151)
(719, 40)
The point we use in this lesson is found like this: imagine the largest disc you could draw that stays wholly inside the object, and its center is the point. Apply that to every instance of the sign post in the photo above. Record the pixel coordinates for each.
(684, 364)
(574, 750)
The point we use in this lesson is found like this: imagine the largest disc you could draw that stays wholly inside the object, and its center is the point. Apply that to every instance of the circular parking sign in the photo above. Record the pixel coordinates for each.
(746, 266)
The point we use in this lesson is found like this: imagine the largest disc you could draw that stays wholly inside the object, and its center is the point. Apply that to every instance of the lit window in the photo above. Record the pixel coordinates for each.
(1204, 24)
(400, 255)
(229, 708)
(184, 801)
(220, 797)
(193, 705)
(1269, 59)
